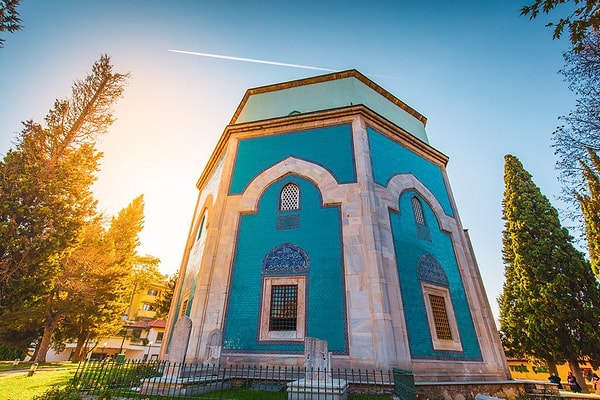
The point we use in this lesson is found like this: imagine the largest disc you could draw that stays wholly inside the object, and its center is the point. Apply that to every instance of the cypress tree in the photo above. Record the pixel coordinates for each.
(550, 304)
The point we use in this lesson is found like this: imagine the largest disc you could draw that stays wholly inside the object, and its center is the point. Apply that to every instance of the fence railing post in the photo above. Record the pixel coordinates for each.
(159, 378)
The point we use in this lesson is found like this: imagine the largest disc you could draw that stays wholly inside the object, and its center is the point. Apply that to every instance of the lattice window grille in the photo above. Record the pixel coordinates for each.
(290, 197)
(418, 211)
(284, 308)
(440, 317)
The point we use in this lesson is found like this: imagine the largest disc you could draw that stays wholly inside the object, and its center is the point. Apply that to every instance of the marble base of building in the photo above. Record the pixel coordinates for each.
(164, 386)
(331, 389)
(501, 389)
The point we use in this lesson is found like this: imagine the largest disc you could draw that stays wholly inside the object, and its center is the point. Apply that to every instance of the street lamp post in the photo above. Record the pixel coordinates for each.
(102, 352)
(148, 353)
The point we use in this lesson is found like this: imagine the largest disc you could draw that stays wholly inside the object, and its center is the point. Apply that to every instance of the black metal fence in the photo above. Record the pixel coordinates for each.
(164, 380)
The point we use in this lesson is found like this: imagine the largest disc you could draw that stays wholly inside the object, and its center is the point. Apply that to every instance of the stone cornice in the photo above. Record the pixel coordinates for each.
(319, 119)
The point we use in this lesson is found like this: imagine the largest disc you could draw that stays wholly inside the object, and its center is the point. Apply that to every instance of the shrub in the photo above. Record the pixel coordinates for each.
(60, 393)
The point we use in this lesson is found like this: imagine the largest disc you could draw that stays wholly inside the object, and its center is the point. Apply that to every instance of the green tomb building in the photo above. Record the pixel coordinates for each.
(324, 212)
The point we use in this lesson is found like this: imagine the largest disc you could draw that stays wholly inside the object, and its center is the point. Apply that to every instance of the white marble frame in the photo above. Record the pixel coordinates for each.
(265, 311)
(441, 344)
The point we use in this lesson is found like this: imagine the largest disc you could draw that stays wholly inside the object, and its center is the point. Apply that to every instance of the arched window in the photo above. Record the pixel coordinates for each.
(420, 222)
(289, 198)
(418, 211)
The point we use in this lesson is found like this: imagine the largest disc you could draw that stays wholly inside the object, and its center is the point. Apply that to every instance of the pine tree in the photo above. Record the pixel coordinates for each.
(550, 304)
(46, 197)
(590, 206)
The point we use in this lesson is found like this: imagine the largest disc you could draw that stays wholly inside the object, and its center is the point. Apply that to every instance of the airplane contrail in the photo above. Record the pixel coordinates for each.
(252, 60)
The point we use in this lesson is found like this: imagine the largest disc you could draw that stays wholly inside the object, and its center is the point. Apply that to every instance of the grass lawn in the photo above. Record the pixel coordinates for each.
(18, 386)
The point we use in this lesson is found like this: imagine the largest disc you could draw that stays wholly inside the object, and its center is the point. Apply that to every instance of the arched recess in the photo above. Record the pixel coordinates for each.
(250, 212)
(461, 272)
(203, 217)
(185, 291)
(194, 256)
(322, 178)
(402, 182)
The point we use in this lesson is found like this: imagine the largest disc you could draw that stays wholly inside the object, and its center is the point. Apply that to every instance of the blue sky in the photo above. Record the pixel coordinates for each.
(486, 78)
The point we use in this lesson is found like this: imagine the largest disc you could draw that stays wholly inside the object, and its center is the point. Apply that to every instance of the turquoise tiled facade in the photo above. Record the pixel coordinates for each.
(389, 159)
(330, 147)
(372, 246)
(409, 248)
(319, 235)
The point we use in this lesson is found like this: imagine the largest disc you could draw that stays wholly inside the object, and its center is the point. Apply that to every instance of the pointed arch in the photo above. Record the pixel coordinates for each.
(319, 176)
(403, 182)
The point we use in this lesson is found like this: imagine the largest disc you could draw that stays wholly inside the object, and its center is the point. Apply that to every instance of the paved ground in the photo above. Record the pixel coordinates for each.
(13, 372)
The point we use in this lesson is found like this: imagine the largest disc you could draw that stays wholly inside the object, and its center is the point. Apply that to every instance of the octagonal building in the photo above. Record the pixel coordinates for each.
(324, 212)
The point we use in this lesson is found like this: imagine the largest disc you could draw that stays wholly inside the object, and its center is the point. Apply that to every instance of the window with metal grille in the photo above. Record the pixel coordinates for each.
(418, 211)
(440, 317)
(290, 197)
(284, 306)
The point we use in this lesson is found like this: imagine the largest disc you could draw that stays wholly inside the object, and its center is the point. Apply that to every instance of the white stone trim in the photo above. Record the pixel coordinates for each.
(265, 311)
(441, 344)
(319, 176)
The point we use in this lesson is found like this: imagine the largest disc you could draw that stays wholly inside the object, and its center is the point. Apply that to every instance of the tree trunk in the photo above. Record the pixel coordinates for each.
(552, 368)
(80, 348)
(49, 327)
(574, 367)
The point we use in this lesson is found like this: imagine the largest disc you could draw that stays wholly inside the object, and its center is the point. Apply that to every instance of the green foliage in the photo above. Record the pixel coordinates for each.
(8, 352)
(550, 304)
(583, 17)
(9, 17)
(46, 202)
(580, 128)
(101, 376)
(163, 303)
(99, 274)
(60, 393)
(18, 337)
(590, 206)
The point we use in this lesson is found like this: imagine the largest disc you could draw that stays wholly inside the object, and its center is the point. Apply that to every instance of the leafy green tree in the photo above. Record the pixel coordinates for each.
(124, 232)
(92, 282)
(111, 264)
(590, 206)
(582, 17)
(9, 17)
(163, 303)
(46, 198)
(550, 303)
